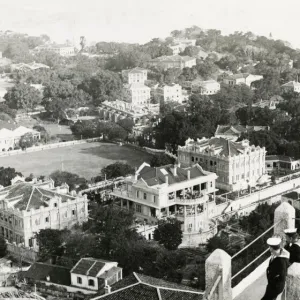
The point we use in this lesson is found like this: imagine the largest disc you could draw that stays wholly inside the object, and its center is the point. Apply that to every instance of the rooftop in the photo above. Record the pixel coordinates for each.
(15, 131)
(237, 129)
(280, 158)
(291, 84)
(155, 176)
(89, 266)
(26, 196)
(57, 274)
(173, 58)
(218, 146)
(142, 287)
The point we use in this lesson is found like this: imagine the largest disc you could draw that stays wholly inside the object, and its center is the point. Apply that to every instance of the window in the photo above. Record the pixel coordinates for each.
(145, 196)
(138, 208)
(73, 212)
(193, 158)
(138, 194)
(47, 220)
(79, 280)
(55, 204)
(91, 282)
(154, 199)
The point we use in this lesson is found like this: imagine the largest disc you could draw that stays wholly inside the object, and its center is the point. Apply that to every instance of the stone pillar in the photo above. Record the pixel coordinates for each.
(293, 282)
(219, 262)
(284, 217)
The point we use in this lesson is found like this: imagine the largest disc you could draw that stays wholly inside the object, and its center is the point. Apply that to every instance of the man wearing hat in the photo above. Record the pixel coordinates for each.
(293, 244)
(277, 269)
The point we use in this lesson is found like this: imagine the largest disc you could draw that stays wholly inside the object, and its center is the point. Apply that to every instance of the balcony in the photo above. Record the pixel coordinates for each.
(187, 198)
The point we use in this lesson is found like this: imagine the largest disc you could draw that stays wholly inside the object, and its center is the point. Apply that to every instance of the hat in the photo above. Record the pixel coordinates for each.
(290, 231)
(274, 241)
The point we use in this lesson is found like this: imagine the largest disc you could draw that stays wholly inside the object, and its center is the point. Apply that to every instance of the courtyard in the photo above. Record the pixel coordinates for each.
(86, 160)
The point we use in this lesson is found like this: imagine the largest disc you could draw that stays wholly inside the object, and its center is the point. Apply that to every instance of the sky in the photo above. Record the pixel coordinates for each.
(138, 21)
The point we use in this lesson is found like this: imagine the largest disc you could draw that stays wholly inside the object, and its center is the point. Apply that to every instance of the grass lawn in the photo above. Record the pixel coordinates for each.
(85, 160)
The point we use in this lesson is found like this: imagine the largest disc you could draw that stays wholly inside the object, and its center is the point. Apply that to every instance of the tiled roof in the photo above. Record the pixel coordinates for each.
(291, 84)
(153, 176)
(26, 196)
(142, 287)
(173, 58)
(219, 146)
(57, 274)
(89, 266)
(237, 129)
(292, 195)
(280, 158)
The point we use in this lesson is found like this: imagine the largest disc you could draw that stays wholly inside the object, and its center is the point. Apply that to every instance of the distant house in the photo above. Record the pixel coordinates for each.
(138, 93)
(61, 49)
(281, 163)
(266, 103)
(169, 92)
(136, 75)
(233, 132)
(179, 45)
(293, 198)
(142, 287)
(176, 61)
(95, 274)
(30, 66)
(206, 87)
(291, 86)
(242, 78)
(9, 139)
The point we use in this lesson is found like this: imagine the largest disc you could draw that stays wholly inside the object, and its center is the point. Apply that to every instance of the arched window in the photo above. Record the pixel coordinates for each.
(91, 282)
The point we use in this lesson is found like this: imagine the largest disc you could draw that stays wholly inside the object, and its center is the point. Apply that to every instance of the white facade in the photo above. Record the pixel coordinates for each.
(237, 164)
(136, 75)
(87, 272)
(9, 139)
(208, 87)
(63, 50)
(292, 86)
(176, 61)
(179, 45)
(169, 93)
(190, 198)
(139, 94)
(242, 78)
(41, 208)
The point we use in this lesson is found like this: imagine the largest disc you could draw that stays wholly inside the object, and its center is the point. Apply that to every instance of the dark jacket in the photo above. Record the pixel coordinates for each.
(294, 250)
(277, 271)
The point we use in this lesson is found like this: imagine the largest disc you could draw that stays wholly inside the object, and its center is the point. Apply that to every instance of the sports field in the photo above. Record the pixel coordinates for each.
(85, 159)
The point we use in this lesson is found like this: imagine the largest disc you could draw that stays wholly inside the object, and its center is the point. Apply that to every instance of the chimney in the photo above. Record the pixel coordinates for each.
(188, 174)
(107, 289)
(167, 179)
(174, 170)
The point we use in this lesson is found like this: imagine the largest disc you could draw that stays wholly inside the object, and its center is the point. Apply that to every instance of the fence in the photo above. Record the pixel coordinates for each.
(219, 264)
(49, 146)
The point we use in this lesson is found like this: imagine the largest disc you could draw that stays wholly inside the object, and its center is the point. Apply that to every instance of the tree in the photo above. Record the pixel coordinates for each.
(114, 227)
(105, 85)
(22, 96)
(116, 170)
(44, 134)
(7, 174)
(3, 247)
(71, 179)
(127, 124)
(161, 160)
(169, 233)
(50, 242)
(26, 140)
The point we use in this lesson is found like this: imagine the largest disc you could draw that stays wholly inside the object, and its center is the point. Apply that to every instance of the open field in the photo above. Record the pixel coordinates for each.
(85, 159)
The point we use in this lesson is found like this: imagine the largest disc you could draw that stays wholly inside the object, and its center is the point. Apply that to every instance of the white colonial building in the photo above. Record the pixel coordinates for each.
(136, 75)
(237, 164)
(171, 191)
(26, 208)
(242, 78)
(169, 92)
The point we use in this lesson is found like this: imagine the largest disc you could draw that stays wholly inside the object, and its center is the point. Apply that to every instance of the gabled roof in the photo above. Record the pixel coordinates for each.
(237, 130)
(142, 287)
(238, 76)
(280, 158)
(291, 84)
(154, 176)
(25, 196)
(218, 145)
(89, 266)
(57, 274)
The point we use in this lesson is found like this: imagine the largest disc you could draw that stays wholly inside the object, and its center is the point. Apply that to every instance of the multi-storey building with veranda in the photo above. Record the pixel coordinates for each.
(170, 191)
(26, 208)
(237, 164)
